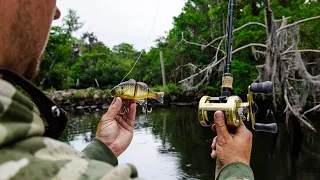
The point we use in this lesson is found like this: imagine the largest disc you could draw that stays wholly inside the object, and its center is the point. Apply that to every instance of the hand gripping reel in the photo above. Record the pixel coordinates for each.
(235, 110)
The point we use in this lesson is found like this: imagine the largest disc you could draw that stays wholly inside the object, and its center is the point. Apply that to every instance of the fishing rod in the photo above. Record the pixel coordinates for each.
(227, 76)
(236, 111)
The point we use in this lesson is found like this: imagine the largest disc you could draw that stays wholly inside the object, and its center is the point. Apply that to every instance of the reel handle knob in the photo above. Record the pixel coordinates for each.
(265, 87)
(269, 128)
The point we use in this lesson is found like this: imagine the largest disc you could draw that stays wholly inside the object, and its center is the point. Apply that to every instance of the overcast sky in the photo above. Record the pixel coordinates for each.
(130, 21)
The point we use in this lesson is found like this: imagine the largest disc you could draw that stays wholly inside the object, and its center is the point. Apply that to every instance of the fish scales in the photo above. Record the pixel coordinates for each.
(142, 91)
(136, 91)
(129, 89)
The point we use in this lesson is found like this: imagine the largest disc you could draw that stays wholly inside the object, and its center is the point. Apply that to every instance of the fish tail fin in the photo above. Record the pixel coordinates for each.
(160, 97)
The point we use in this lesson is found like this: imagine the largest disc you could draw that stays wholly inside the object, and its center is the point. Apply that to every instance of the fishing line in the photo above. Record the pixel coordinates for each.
(145, 45)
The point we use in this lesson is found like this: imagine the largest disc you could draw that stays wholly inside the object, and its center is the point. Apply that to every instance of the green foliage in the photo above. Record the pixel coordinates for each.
(244, 74)
(169, 89)
(171, 92)
(214, 90)
(68, 59)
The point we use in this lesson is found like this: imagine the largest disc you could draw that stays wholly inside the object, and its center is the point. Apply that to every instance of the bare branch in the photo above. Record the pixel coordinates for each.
(261, 52)
(189, 64)
(311, 63)
(303, 72)
(269, 15)
(283, 18)
(299, 80)
(222, 37)
(316, 108)
(249, 45)
(300, 117)
(217, 53)
(202, 71)
(315, 77)
(289, 48)
(248, 24)
(211, 65)
(201, 45)
(305, 50)
(298, 22)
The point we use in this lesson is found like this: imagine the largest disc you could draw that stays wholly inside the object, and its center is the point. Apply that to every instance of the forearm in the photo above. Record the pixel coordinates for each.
(97, 150)
(236, 170)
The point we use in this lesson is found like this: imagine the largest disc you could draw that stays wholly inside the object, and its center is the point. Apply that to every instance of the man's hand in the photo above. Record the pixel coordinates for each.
(116, 128)
(228, 147)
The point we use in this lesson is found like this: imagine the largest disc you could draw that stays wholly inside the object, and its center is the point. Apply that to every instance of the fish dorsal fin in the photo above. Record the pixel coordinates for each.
(132, 80)
(143, 84)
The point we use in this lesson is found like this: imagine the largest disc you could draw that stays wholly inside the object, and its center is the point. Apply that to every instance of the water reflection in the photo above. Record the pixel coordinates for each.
(169, 143)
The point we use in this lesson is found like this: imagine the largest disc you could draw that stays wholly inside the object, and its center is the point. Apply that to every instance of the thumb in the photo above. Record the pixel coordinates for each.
(115, 107)
(220, 124)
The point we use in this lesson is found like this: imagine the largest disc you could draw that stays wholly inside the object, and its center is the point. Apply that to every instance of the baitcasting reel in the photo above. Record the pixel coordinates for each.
(235, 110)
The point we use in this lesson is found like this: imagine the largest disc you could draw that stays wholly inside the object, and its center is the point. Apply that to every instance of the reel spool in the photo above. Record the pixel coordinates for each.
(235, 110)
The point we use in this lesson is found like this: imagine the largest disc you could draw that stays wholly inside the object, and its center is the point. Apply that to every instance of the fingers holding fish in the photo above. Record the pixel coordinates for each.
(115, 107)
(123, 123)
(128, 111)
(132, 113)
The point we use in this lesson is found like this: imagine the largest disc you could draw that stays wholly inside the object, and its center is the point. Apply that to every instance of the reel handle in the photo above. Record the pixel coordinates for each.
(269, 128)
(265, 87)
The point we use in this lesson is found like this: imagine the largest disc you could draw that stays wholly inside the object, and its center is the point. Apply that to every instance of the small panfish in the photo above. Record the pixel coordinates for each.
(136, 91)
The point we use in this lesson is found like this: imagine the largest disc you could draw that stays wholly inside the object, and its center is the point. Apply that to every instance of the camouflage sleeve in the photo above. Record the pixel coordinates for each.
(26, 154)
(97, 150)
(45, 158)
(235, 171)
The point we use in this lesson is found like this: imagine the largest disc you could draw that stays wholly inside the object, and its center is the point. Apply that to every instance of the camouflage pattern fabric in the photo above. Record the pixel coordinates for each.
(26, 154)
(236, 171)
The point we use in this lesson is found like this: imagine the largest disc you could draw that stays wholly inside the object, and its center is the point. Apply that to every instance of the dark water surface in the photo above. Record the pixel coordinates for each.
(170, 143)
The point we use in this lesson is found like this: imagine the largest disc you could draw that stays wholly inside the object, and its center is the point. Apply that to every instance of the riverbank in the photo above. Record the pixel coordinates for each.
(83, 99)
(93, 99)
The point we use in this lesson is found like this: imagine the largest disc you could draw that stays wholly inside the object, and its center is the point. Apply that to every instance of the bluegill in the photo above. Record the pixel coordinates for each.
(136, 91)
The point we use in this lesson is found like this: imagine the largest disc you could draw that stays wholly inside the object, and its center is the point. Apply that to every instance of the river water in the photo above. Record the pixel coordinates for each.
(170, 144)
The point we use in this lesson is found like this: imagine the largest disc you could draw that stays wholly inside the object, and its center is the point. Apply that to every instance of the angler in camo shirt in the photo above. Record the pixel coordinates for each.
(24, 151)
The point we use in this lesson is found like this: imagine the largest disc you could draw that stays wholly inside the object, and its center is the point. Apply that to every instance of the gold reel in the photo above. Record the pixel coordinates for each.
(235, 110)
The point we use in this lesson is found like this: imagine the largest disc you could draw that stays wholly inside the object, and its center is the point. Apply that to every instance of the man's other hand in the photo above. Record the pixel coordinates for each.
(116, 127)
(229, 148)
